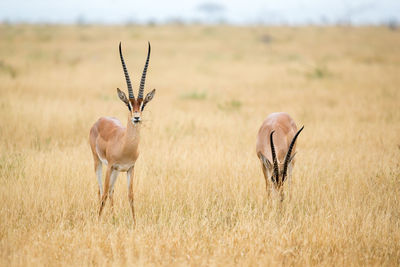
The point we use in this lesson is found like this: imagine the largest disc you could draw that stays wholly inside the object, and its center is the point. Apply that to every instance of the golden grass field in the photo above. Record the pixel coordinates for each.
(199, 190)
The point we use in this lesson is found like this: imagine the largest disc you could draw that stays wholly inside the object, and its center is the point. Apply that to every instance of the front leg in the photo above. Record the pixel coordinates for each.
(130, 174)
(97, 170)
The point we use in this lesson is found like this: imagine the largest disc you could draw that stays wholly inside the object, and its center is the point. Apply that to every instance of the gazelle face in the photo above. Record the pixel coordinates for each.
(136, 113)
(136, 106)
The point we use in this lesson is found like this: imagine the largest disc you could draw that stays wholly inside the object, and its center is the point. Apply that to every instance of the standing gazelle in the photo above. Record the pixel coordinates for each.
(117, 146)
(275, 151)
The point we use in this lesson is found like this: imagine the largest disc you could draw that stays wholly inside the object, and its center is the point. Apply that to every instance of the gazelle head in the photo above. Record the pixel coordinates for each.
(137, 105)
(277, 170)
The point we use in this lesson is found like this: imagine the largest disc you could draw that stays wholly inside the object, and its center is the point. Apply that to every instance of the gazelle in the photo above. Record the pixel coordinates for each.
(275, 151)
(117, 146)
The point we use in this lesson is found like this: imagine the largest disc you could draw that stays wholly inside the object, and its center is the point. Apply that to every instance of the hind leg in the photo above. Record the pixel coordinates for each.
(265, 172)
(111, 175)
(113, 178)
(96, 160)
(98, 169)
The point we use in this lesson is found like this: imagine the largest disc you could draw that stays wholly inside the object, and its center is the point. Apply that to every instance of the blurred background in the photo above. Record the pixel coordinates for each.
(359, 12)
(219, 67)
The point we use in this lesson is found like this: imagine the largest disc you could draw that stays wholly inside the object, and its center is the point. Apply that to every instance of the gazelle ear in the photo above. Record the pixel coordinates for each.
(148, 98)
(123, 97)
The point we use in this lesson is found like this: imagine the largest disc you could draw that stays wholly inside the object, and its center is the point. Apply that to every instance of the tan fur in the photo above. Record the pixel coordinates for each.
(119, 146)
(285, 129)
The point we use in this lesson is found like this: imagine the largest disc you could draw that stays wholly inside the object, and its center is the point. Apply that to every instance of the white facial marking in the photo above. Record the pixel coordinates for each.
(134, 121)
(136, 118)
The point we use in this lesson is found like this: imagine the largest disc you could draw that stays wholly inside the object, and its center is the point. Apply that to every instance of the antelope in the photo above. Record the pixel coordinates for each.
(117, 146)
(276, 156)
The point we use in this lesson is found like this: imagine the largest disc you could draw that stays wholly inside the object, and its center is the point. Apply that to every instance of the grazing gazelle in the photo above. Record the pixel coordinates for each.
(117, 146)
(276, 141)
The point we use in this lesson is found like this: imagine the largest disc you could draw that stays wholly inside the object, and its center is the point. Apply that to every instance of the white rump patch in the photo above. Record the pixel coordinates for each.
(104, 161)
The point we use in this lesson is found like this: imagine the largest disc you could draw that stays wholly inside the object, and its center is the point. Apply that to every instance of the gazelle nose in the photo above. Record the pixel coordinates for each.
(136, 119)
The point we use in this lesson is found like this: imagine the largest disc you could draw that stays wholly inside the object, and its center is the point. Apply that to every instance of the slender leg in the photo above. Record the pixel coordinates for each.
(113, 178)
(106, 186)
(98, 170)
(265, 172)
(129, 177)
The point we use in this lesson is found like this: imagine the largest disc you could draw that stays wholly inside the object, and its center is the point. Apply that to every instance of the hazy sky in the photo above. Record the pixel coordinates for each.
(234, 11)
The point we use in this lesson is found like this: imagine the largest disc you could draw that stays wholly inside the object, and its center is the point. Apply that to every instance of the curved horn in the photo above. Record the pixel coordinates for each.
(274, 160)
(287, 158)
(142, 81)
(128, 81)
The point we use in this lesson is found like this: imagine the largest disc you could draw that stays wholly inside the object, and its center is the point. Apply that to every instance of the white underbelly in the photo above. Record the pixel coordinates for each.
(123, 167)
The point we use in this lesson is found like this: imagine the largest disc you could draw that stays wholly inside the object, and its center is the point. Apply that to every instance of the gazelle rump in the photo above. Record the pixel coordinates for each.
(276, 148)
(117, 146)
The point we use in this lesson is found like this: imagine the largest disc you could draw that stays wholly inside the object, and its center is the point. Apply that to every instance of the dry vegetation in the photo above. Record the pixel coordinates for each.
(199, 191)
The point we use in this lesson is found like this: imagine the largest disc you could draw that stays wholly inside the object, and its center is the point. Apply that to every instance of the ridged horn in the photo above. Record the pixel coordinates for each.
(274, 160)
(288, 154)
(128, 81)
(143, 80)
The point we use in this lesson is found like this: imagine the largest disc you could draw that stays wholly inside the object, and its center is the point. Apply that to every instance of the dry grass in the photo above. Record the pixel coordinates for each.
(199, 189)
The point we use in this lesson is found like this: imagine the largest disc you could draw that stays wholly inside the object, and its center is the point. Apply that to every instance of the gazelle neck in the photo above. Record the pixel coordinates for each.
(132, 134)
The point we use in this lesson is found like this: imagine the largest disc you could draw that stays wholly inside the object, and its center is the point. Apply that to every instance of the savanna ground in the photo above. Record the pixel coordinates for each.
(199, 191)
